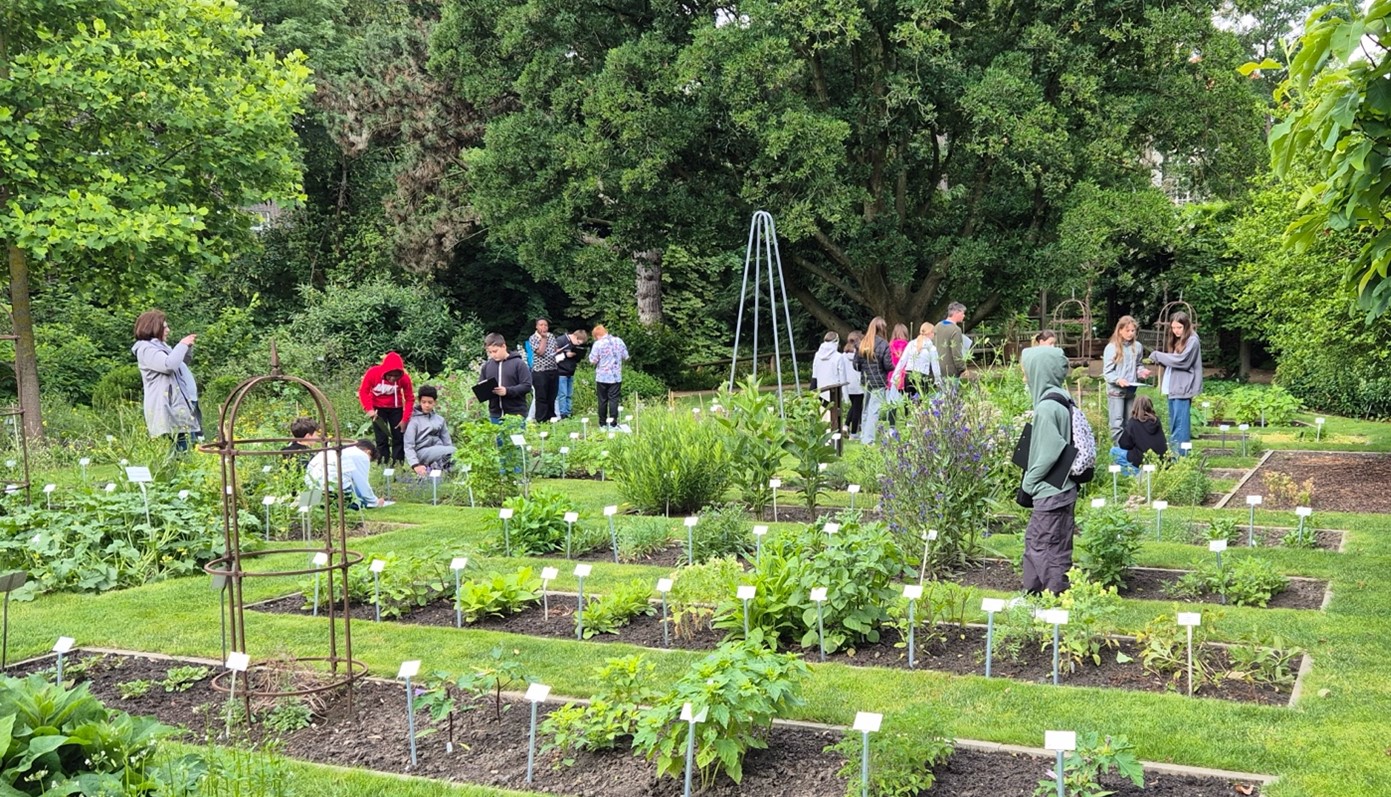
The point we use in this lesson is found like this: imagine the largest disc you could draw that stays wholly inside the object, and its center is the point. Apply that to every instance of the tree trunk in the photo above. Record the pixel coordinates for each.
(26, 366)
(1243, 369)
(648, 265)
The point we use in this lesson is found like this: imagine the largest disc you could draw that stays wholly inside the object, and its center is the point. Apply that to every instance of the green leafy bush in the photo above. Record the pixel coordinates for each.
(723, 530)
(1273, 662)
(743, 686)
(1110, 539)
(537, 525)
(1092, 611)
(1254, 403)
(1095, 756)
(1247, 581)
(121, 385)
(677, 464)
(407, 582)
(611, 612)
(809, 443)
(1182, 481)
(754, 433)
(1163, 647)
(499, 594)
(611, 715)
(908, 746)
(642, 536)
(696, 589)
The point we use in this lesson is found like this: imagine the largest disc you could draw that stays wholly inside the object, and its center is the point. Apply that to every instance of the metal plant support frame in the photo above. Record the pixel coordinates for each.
(761, 250)
(342, 668)
(16, 414)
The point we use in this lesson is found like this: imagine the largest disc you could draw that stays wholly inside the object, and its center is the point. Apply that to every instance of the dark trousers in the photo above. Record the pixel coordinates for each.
(857, 408)
(608, 394)
(391, 438)
(1048, 548)
(544, 384)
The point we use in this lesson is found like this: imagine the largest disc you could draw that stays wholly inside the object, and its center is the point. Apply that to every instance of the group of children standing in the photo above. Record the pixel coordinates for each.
(1134, 425)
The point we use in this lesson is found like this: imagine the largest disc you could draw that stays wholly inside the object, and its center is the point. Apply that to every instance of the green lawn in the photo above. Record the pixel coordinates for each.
(1335, 741)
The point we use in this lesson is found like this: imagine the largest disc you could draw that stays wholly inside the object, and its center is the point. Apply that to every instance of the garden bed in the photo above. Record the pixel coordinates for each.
(1340, 480)
(493, 752)
(1149, 583)
(956, 650)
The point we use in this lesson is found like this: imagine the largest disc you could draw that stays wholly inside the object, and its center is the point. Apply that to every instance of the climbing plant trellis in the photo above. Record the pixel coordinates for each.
(761, 254)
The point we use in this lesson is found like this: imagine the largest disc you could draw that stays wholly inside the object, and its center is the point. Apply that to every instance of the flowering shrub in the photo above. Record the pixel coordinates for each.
(941, 471)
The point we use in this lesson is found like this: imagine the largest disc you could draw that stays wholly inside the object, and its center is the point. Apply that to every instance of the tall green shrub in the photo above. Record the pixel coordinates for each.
(676, 464)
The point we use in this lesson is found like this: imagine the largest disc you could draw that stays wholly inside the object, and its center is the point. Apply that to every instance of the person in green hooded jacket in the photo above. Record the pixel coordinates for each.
(1048, 537)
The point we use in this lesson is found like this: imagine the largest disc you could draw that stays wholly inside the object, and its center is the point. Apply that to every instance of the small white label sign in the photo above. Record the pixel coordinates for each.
(1304, 511)
(1148, 467)
(1060, 741)
(458, 563)
(583, 570)
(1186, 446)
(1055, 616)
(913, 592)
(745, 592)
(818, 594)
(1226, 427)
(1254, 500)
(63, 645)
(409, 669)
(377, 566)
(238, 661)
(1098, 503)
(1160, 506)
(691, 521)
(183, 495)
(571, 517)
(436, 473)
(518, 440)
(505, 514)
(110, 487)
(564, 450)
(85, 461)
(550, 573)
(992, 605)
(931, 535)
(304, 510)
(759, 531)
(537, 693)
(574, 435)
(831, 528)
(689, 715)
(1244, 427)
(268, 500)
(664, 585)
(265, 469)
(1113, 468)
(1190, 619)
(388, 472)
(1320, 421)
(544, 435)
(852, 488)
(775, 483)
(48, 488)
(1217, 546)
(868, 721)
(610, 511)
(320, 559)
(139, 473)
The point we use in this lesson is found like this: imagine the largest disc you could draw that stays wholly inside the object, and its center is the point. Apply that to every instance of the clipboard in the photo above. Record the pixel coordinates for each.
(483, 391)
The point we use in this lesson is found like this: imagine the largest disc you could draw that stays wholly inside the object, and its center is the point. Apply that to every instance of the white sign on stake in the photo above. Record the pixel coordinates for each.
(320, 559)
(265, 469)
(775, 483)
(691, 520)
(1303, 511)
(664, 585)
(304, 510)
(571, 517)
(85, 461)
(1148, 467)
(1190, 618)
(1244, 427)
(544, 435)
(110, 487)
(574, 435)
(268, 500)
(688, 715)
(913, 592)
(931, 535)
(581, 571)
(759, 531)
(377, 566)
(518, 440)
(818, 594)
(504, 514)
(1217, 546)
(409, 669)
(48, 488)
(835, 436)
(1320, 421)
(436, 473)
(1060, 741)
(1160, 506)
(1055, 616)
(1254, 500)
(139, 474)
(387, 473)
(1098, 503)
(238, 661)
(64, 644)
(1226, 427)
(831, 528)
(458, 563)
(992, 605)
(852, 488)
(1186, 446)
(1112, 469)
(564, 450)
(183, 495)
(537, 693)
(745, 592)
(868, 721)
(610, 511)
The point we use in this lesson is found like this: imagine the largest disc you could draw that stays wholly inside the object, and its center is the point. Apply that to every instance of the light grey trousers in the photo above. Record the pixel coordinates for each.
(1117, 410)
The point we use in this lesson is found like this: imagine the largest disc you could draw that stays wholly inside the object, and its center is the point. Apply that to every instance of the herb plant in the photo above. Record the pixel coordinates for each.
(809, 443)
(611, 714)
(182, 679)
(723, 530)
(1273, 662)
(499, 594)
(676, 466)
(1095, 756)
(754, 433)
(1110, 539)
(537, 525)
(618, 608)
(906, 749)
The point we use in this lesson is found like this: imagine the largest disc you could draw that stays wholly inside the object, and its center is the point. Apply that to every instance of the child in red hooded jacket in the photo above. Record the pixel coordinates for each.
(386, 397)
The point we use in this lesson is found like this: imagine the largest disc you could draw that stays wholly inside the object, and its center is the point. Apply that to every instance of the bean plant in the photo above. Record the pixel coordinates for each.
(754, 432)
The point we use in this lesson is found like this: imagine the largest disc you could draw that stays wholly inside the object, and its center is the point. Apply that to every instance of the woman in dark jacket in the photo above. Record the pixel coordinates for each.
(875, 364)
(1142, 433)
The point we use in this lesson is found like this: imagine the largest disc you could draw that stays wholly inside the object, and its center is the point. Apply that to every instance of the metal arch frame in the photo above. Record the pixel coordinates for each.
(343, 669)
(762, 247)
(17, 412)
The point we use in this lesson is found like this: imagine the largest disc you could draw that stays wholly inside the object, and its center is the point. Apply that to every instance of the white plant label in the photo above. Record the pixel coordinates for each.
(583, 570)
(1148, 467)
(1217, 546)
(544, 435)
(110, 487)
(124, 462)
(139, 474)
(85, 461)
(1190, 619)
(387, 473)
(664, 585)
(1254, 500)
(691, 521)
(468, 469)
(759, 531)
(518, 440)
(1320, 421)
(1300, 511)
(1113, 468)
(852, 488)
(1055, 616)
(1160, 506)
(818, 594)
(695, 410)
(564, 450)
(461, 562)
(992, 605)
(913, 592)
(835, 436)
(550, 573)
(238, 661)
(1244, 427)
(183, 495)
(1060, 741)
(320, 559)
(1207, 405)
(268, 500)
(304, 510)
(688, 714)
(868, 721)
(63, 645)
(745, 592)
(377, 566)
(775, 483)
(610, 511)
(821, 467)
(48, 488)
(228, 489)
(505, 514)
(409, 669)
(1226, 427)
(931, 535)
(1098, 503)
(571, 517)
(574, 435)
(265, 469)
(1186, 446)
(831, 528)
(537, 693)
(436, 473)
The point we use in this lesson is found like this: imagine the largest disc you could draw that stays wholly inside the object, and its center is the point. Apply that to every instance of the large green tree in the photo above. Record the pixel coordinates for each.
(913, 151)
(133, 133)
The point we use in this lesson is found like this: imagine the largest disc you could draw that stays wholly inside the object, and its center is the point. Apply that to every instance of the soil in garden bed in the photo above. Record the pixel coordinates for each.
(1144, 583)
(1266, 536)
(1342, 482)
(670, 556)
(960, 651)
(492, 751)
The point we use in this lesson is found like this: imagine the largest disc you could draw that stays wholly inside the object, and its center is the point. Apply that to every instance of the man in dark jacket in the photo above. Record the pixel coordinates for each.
(951, 345)
(512, 375)
(568, 352)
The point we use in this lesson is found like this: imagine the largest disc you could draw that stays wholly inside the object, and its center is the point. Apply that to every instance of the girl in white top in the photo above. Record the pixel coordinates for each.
(919, 361)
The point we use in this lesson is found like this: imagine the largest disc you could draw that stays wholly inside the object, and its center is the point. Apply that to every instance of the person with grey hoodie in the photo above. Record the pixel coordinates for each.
(1048, 537)
(427, 435)
(171, 394)
(828, 366)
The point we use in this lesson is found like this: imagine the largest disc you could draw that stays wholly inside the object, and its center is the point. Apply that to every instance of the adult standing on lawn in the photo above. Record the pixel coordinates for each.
(171, 394)
(1183, 377)
(508, 369)
(951, 342)
(545, 378)
(569, 349)
(608, 355)
(875, 364)
(1121, 368)
(1048, 537)
(386, 396)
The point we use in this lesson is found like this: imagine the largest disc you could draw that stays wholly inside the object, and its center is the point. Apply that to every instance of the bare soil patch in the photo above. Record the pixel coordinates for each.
(1342, 482)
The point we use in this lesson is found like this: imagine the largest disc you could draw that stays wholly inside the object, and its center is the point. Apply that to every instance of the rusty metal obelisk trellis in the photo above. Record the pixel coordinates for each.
(327, 549)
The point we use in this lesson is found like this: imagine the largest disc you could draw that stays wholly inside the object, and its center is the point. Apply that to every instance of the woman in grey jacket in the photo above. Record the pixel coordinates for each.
(1183, 377)
(171, 394)
(1120, 367)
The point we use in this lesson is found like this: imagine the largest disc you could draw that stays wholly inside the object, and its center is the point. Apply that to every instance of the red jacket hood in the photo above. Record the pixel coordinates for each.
(392, 362)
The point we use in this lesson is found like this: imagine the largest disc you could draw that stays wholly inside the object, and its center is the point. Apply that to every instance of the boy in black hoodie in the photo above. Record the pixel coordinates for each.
(512, 375)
